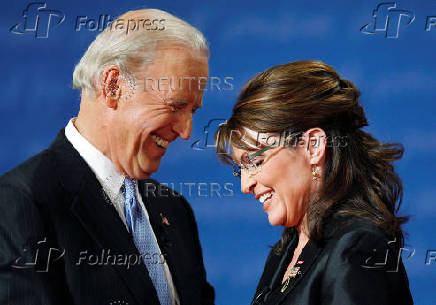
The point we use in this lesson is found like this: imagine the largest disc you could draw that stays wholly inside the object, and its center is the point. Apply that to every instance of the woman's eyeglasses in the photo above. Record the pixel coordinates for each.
(251, 163)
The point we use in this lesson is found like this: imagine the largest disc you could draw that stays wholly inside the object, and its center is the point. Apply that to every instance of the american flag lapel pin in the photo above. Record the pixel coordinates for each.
(294, 272)
(164, 220)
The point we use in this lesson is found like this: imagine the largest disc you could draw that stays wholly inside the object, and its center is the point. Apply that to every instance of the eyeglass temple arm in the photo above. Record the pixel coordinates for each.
(259, 152)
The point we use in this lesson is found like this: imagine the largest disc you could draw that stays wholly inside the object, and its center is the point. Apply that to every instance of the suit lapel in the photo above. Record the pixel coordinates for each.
(99, 218)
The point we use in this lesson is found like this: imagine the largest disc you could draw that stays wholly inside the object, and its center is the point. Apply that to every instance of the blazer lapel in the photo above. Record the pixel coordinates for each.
(99, 218)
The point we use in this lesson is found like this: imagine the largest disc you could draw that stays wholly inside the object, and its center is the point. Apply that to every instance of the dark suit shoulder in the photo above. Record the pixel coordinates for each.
(22, 221)
(358, 240)
(344, 227)
(355, 264)
(29, 175)
(362, 265)
(360, 243)
(24, 188)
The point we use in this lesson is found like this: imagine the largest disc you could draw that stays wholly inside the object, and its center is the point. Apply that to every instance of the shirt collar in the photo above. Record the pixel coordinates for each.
(104, 169)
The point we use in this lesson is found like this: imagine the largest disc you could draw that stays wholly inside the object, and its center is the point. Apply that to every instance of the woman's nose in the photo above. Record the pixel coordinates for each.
(247, 183)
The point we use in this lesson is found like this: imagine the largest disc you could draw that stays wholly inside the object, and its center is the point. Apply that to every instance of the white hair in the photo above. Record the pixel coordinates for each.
(115, 46)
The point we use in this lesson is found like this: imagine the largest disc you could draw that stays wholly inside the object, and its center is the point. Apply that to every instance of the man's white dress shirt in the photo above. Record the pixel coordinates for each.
(111, 181)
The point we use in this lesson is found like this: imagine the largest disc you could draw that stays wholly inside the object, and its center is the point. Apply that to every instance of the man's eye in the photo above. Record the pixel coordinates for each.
(177, 106)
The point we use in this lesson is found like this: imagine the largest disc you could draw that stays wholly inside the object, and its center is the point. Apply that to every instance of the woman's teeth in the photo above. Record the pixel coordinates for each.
(160, 142)
(266, 196)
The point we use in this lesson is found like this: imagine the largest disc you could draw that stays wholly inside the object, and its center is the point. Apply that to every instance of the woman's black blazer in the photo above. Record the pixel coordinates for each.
(355, 264)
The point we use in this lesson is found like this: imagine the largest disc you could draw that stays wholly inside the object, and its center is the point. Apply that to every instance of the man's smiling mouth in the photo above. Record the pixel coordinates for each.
(162, 143)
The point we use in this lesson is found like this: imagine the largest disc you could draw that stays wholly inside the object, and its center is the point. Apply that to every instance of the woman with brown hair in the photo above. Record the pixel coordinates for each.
(297, 143)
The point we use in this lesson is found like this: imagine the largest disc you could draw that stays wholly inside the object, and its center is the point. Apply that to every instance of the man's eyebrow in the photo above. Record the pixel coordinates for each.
(178, 101)
(182, 101)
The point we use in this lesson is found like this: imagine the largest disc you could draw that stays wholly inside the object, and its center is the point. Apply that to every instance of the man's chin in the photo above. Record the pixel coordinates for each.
(148, 170)
(146, 166)
(140, 175)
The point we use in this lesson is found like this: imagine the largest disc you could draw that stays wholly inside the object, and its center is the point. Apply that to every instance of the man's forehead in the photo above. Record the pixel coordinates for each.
(174, 62)
(185, 96)
(180, 54)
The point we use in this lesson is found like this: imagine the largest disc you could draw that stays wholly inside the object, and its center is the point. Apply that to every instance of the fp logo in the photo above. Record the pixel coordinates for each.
(36, 263)
(387, 19)
(38, 19)
(213, 124)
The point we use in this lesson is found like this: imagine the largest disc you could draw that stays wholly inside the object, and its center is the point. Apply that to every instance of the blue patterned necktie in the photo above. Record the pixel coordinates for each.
(143, 237)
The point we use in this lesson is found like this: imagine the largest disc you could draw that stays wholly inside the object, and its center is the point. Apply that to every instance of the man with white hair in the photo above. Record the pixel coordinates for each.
(81, 222)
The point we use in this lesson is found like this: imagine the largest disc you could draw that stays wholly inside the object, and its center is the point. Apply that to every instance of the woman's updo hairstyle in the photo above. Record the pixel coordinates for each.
(359, 177)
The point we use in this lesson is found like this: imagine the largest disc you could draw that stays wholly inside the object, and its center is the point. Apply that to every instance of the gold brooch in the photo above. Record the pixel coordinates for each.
(294, 272)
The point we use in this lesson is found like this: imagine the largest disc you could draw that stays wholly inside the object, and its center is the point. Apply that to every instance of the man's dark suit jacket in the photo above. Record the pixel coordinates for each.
(62, 242)
(355, 264)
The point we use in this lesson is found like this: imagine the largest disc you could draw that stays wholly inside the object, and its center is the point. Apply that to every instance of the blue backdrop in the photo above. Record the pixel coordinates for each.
(394, 68)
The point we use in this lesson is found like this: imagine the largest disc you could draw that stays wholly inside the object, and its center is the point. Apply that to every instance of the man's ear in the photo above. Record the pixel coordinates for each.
(111, 86)
(316, 145)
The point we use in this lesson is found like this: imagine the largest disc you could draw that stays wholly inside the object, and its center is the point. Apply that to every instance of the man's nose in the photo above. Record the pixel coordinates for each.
(247, 183)
(183, 124)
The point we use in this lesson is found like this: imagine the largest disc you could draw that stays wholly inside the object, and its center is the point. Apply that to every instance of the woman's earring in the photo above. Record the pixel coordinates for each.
(314, 173)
